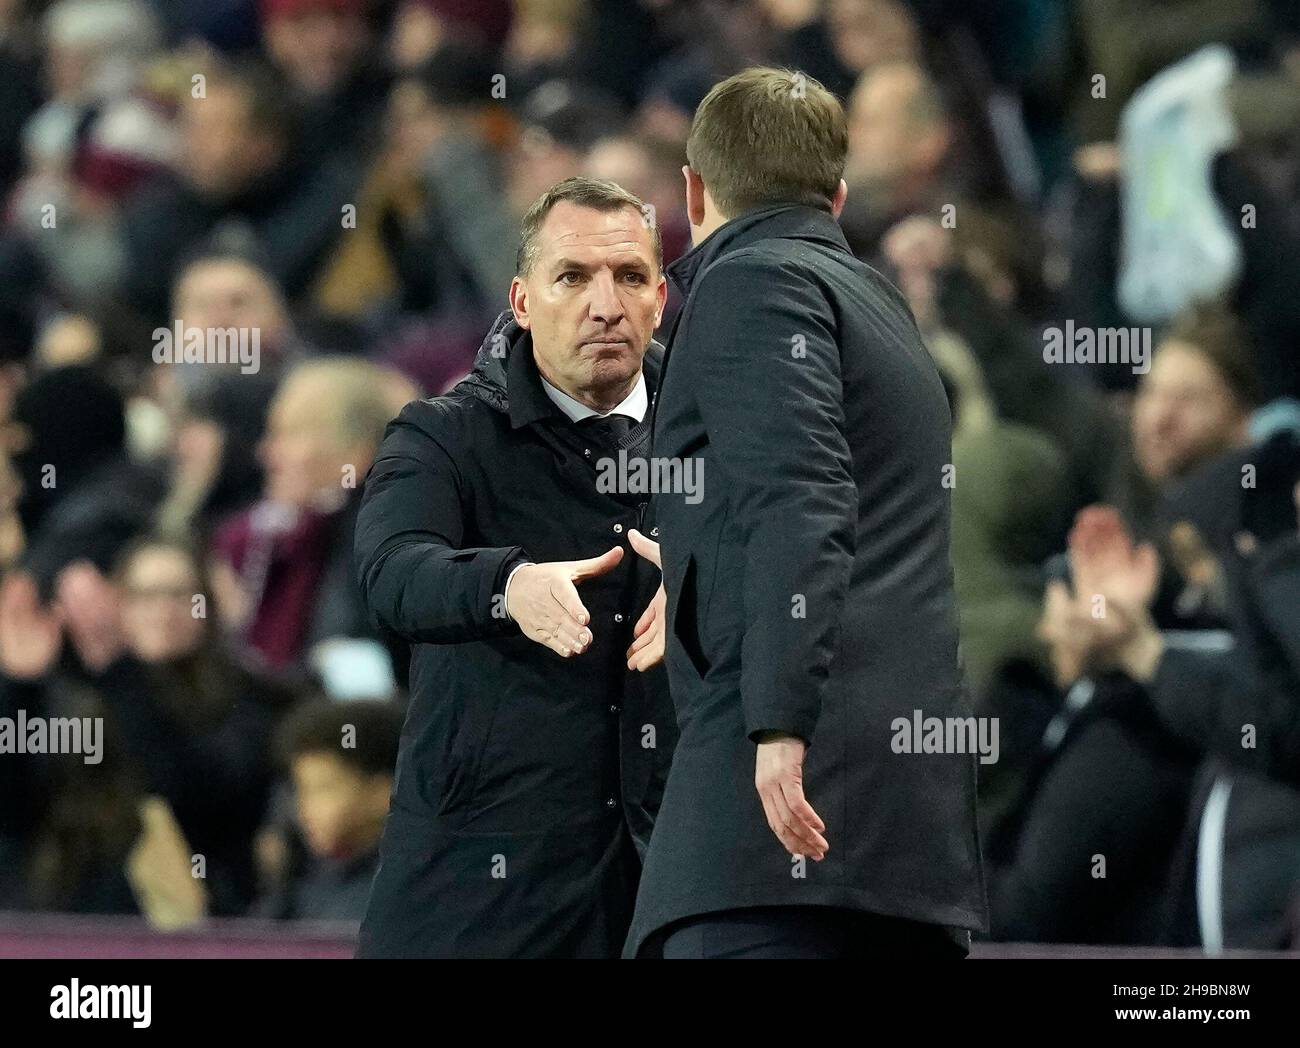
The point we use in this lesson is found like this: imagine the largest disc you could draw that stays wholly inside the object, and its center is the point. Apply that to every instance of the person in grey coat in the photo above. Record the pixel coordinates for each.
(821, 801)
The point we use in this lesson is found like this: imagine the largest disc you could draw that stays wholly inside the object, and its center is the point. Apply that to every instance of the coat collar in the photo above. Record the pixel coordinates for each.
(780, 222)
(506, 377)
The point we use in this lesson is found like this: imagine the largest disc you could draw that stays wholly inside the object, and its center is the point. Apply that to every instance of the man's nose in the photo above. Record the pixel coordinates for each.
(605, 303)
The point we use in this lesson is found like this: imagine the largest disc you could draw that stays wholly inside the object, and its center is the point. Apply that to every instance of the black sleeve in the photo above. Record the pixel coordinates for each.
(416, 579)
(1219, 704)
(1244, 705)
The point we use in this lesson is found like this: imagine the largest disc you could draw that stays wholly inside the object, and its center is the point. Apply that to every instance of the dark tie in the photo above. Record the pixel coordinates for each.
(607, 431)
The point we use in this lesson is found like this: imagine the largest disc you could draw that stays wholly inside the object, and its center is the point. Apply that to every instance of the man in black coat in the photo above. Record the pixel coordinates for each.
(532, 760)
(811, 620)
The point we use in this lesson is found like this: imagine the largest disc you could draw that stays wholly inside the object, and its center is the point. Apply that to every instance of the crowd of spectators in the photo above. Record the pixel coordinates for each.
(340, 183)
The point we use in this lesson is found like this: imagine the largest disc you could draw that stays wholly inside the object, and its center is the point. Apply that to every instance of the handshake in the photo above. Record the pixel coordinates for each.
(543, 600)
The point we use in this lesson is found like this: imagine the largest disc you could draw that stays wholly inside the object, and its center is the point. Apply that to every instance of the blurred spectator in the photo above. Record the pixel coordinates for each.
(1236, 705)
(243, 173)
(282, 569)
(83, 497)
(422, 27)
(652, 171)
(562, 120)
(340, 758)
(901, 155)
(324, 51)
(1086, 857)
(186, 724)
(434, 231)
(51, 458)
(1193, 405)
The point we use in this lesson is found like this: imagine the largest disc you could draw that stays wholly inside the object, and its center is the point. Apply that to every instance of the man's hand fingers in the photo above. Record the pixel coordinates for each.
(571, 637)
(798, 838)
(568, 602)
(640, 644)
(645, 621)
(799, 806)
(564, 641)
(576, 639)
(593, 566)
(648, 648)
(807, 840)
(646, 652)
(550, 624)
(773, 818)
(803, 812)
(645, 547)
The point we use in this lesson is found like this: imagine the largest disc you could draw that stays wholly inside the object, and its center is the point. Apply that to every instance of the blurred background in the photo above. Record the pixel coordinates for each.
(343, 179)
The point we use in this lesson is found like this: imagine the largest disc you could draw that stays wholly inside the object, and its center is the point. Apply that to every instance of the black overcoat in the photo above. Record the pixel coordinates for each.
(526, 782)
(809, 589)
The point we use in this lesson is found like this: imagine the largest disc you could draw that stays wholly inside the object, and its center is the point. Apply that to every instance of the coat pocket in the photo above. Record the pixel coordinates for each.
(684, 618)
(470, 744)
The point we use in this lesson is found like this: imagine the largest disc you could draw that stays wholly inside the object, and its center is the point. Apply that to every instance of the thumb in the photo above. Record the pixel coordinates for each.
(645, 547)
(593, 566)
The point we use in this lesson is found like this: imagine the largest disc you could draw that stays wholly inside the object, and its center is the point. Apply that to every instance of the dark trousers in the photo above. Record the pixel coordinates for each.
(809, 932)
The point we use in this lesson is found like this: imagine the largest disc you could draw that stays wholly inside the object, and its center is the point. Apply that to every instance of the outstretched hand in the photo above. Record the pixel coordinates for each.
(647, 649)
(543, 599)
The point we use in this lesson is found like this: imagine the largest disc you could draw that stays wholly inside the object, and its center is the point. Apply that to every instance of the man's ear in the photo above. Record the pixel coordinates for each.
(662, 295)
(694, 196)
(519, 302)
(841, 195)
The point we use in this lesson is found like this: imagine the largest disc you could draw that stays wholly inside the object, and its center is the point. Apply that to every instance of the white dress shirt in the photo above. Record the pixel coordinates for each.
(634, 405)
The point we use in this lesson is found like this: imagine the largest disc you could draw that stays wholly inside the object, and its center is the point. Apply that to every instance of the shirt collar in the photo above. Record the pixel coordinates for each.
(634, 405)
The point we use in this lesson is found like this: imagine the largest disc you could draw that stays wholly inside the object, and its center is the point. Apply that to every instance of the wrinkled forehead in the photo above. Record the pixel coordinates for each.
(587, 235)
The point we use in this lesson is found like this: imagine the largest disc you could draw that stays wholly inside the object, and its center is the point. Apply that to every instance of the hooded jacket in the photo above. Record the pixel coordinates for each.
(526, 782)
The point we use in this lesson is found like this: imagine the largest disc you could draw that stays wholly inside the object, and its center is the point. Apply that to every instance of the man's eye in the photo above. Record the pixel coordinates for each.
(636, 278)
(570, 278)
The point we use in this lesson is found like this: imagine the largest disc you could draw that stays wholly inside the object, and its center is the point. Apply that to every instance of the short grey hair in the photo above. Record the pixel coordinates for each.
(595, 193)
